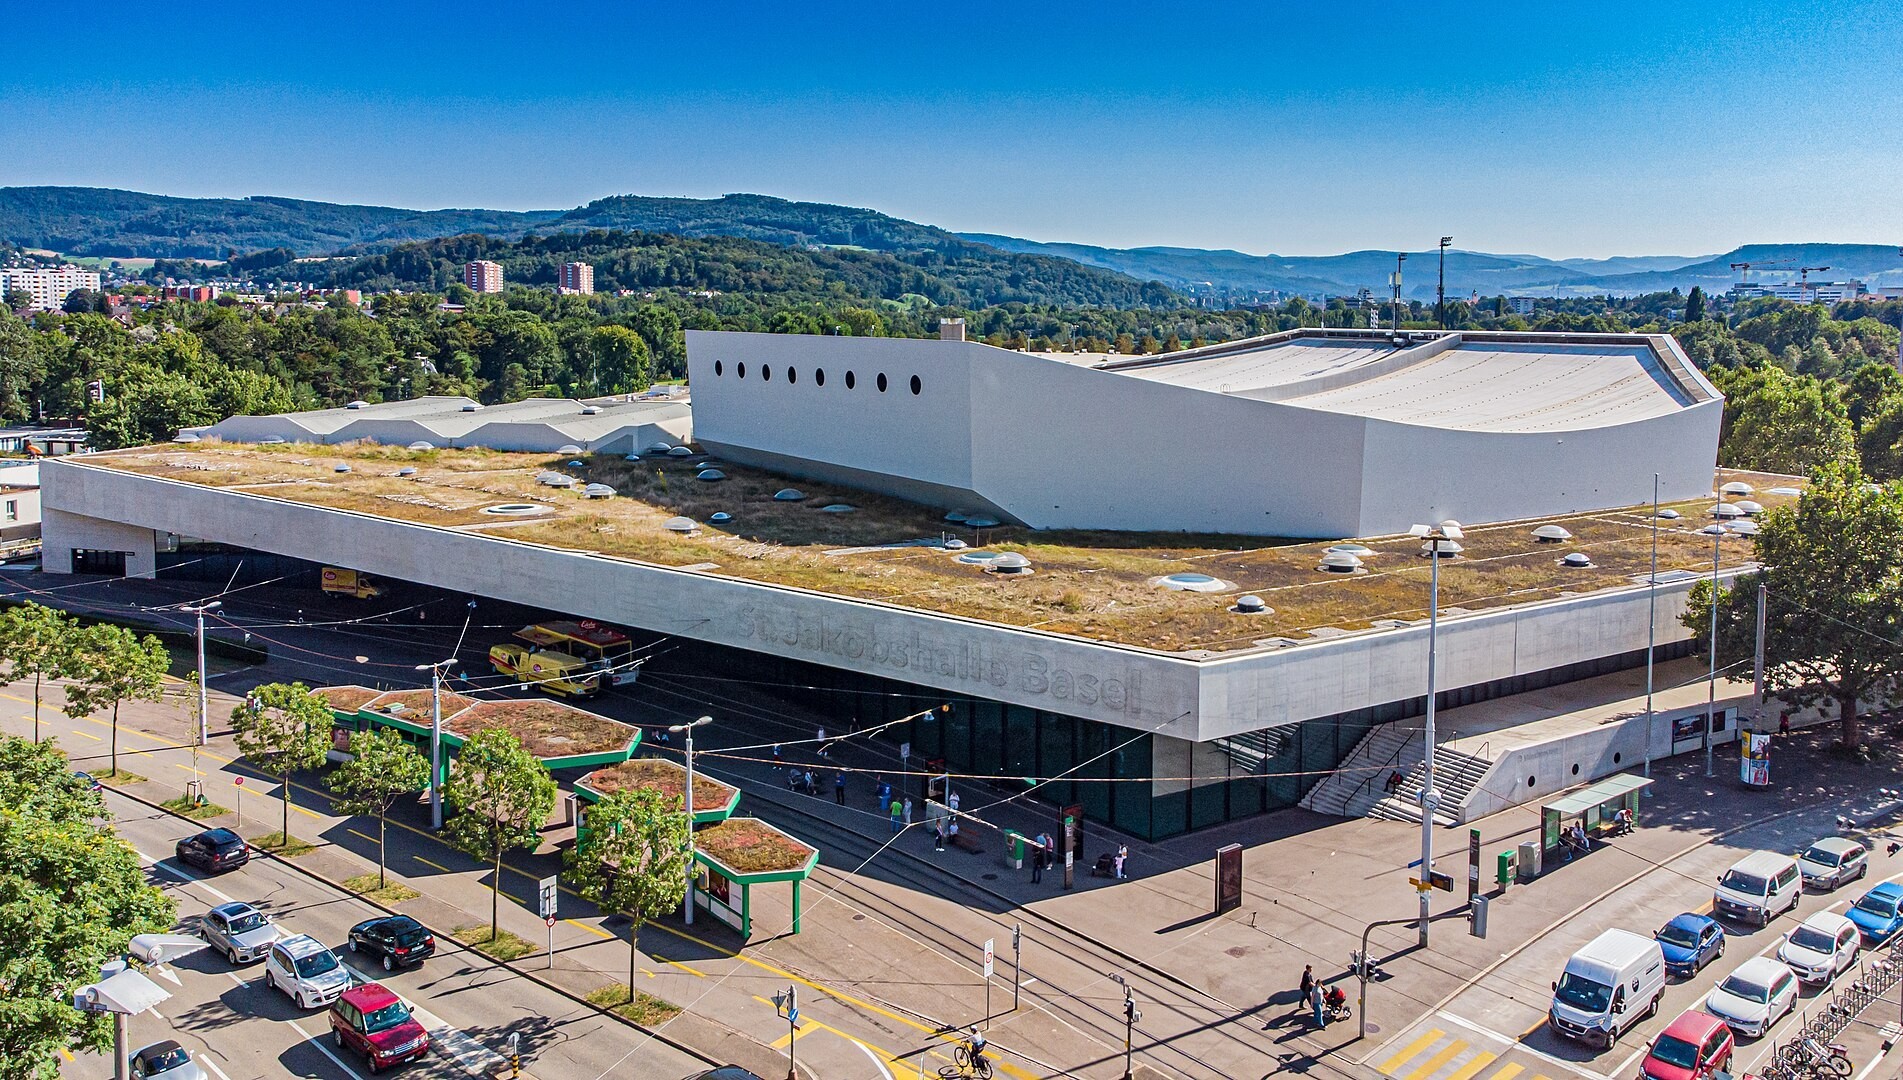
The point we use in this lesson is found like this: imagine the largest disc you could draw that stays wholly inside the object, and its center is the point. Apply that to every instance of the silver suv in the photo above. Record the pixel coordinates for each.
(306, 971)
(238, 930)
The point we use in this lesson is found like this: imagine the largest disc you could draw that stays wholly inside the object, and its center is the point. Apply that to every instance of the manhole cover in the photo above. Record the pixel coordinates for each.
(857, 918)
(1238, 952)
(990, 877)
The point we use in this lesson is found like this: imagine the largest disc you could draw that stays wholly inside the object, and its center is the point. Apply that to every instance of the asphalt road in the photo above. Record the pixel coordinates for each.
(240, 1029)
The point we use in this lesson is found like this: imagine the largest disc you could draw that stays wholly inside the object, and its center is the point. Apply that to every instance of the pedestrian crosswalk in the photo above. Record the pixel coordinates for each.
(1434, 1055)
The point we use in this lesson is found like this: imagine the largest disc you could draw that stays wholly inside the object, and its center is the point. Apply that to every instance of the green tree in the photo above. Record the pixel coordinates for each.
(35, 640)
(281, 728)
(1833, 567)
(633, 860)
(621, 359)
(72, 897)
(383, 767)
(501, 796)
(1695, 305)
(1782, 423)
(108, 665)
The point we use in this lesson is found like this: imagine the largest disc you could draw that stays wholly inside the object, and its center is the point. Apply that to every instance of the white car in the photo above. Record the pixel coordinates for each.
(1832, 861)
(166, 1061)
(1825, 944)
(1760, 993)
(306, 971)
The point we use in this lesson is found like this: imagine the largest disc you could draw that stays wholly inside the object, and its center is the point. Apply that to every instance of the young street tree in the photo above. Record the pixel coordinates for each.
(383, 768)
(75, 895)
(34, 640)
(112, 664)
(634, 860)
(501, 795)
(281, 728)
(1834, 571)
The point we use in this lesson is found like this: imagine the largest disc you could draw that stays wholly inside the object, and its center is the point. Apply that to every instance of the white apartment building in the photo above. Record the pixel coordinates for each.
(1800, 292)
(49, 286)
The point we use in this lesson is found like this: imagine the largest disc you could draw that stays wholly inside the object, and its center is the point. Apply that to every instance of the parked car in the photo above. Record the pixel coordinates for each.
(374, 1022)
(1608, 988)
(87, 779)
(1759, 887)
(240, 931)
(1695, 1046)
(397, 939)
(306, 971)
(1875, 912)
(166, 1061)
(1821, 947)
(1690, 941)
(215, 850)
(1760, 993)
(725, 1072)
(1832, 861)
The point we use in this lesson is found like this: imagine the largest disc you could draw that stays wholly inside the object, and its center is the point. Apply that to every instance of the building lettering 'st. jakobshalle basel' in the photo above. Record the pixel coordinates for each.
(1126, 660)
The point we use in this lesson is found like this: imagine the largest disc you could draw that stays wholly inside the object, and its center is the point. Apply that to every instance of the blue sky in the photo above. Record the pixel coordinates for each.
(1563, 130)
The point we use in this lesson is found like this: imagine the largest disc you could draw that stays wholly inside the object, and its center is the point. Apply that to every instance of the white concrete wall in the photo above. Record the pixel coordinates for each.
(62, 532)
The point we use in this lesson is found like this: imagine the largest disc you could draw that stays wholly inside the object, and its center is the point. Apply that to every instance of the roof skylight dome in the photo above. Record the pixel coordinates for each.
(1251, 605)
(1726, 510)
(788, 495)
(1552, 534)
(1735, 487)
(1339, 562)
(421, 445)
(598, 491)
(569, 449)
(1577, 560)
(680, 524)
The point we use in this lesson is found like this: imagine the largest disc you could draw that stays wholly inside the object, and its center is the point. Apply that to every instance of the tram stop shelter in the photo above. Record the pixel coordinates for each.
(561, 736)
(741, 853)
(1595, 807)
(714, 801)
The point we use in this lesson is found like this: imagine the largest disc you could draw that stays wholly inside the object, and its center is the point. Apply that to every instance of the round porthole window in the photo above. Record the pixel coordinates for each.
(740, 369)
(1616, 758)
(881, 382)
(1575, 769)
(819, 376)
(717, 371)
(1529, 781)
(766, 373)
(851, 381)
(792, 375)
(916, 386)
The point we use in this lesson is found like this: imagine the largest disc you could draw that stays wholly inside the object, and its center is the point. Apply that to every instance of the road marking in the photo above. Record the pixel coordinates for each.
(438, 866)
(471, 1056)
(598, 932)
(1492, 1034)
(319, 1043)
(212, 1065)
(67, 1054)
(88, 735)
(1440, 1058)
(683, 967)
(183, 876)
(1629, 1059)
(1433, 1035)
(361, 836)
(887, 1073)
(1509, 1071)
(1480, 1061)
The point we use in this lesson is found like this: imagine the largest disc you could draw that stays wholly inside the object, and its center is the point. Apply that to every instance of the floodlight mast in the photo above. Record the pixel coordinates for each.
(1435, 535)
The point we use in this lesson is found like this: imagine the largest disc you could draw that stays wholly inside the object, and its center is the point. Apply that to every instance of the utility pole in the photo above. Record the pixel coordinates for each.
(1651, 625)
(204, 707)
(1757, 668)
(1017, 961)
(692, 875)
(436, 671)
(1131, 1014)
(1435, 535)
(1395, 281)
(788, 1005)
(1717, 533)
(1440, 291)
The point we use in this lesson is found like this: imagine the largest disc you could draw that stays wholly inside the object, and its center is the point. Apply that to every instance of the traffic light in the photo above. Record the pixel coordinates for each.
(1354, 963)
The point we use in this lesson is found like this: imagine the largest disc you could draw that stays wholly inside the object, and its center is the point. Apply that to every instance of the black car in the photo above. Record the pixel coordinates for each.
(216, 850)
(398, 939)
(725, 1072)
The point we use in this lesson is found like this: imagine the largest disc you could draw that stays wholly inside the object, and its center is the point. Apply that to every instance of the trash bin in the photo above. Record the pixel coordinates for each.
(1529, 861)
(1503, 875)
(1013, 851)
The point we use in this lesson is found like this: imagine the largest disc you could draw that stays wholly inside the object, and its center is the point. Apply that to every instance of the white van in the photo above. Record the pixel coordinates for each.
(1759, 887)
(1608, 987)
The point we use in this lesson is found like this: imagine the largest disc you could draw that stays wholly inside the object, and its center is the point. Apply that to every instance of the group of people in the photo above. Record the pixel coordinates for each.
(1323, 1002)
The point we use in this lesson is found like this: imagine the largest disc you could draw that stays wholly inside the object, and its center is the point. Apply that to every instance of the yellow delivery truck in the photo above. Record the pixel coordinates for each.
(352, 583)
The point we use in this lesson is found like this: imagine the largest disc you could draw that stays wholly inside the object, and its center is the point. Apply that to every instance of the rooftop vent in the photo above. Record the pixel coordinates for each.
(1668, 514)
(680, 525)
(1339, 562)
(1010, 563)
(1747, 527)
(788, 495)
(513, 509)
(1551, 534)
(575, 464)
(1251, 605)
(957, 516)
(1359, 551)
(659, 448)
(1750, 508)
(340, 467)
(554, 479)
(1578, 560)
(186, 437)
(979, 558)
(568, 448)
(407, 470)
(1445, 549)
(598, 491)
(837, 508)
(710, 475)
(421, 445)
(1191, 583)
(471, 407)
(357, 405)
(1725, 511)
(982, 522)
(680, 451)
(273, 440)
(954, 544)
(1785, 491)
(719, 517)
(590, 410)
(1736, 487)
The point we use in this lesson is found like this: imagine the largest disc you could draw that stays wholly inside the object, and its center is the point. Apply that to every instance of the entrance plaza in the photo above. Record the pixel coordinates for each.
(1165, 682)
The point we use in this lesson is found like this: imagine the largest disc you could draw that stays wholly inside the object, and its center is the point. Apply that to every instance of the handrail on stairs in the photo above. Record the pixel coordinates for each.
(1384, 767)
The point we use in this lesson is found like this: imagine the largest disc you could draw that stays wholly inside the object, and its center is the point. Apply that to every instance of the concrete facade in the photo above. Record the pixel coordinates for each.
(605, 425)
(1187, 696)
(1126, 446)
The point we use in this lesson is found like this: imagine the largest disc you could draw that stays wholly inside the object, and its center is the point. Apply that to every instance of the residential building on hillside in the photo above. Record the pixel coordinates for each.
(483, 276)
(49, 286)
(1521, 305)
(1799, 292)
(577, 277)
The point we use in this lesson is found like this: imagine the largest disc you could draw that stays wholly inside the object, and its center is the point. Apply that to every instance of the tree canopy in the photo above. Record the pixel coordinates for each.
(501, 795)
(282, 728)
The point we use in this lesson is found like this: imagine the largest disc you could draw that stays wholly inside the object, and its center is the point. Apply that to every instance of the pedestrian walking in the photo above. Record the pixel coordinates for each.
(839, 788)
(819, 737)
(908, 809)
(938, 834)
(776, 754)
(885, 795)
(1308, 980)
(952, 800)
(1316, 1004)
(1037, 865)
(1123, 853)
(895, 815)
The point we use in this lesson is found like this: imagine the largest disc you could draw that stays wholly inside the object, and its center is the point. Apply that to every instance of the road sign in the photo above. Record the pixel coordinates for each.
(793, 1016)
(238, 780)
(550, 920)
(988, 957)
(548, 900)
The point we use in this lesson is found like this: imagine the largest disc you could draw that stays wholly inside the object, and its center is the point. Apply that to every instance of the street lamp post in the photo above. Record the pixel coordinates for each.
(1651, 625)
(1395, 281)
(1717, 533)
(1440, 291)
(689, 796)
(1435, 535)
(1131, 1014)
(436, 671)
(204, 706)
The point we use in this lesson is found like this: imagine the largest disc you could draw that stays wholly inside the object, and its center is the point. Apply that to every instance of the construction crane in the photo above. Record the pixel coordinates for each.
(1804, 273)
(1744, 268)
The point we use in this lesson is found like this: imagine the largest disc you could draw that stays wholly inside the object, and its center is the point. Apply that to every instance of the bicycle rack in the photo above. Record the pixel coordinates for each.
(1876, 975)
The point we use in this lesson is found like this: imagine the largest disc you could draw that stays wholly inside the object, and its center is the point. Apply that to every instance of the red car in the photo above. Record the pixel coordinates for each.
(1692, 1047)
(377, 1024)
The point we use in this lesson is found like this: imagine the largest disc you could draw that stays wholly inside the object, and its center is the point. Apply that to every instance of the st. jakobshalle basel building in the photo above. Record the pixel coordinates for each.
(1181, 585)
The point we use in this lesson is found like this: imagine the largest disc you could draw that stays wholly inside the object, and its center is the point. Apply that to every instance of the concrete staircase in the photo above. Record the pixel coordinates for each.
(1358, 787)
(1455, 774)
